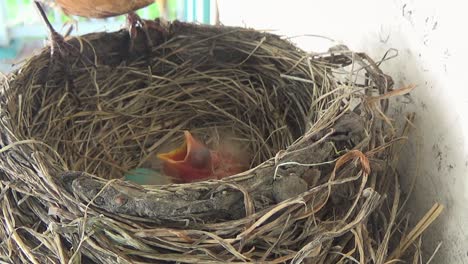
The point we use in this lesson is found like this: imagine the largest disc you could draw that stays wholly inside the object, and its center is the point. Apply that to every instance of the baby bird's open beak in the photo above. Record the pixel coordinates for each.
(190, 162)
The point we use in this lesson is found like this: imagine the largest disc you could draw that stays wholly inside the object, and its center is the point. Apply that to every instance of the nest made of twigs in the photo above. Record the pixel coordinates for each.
(74, 123)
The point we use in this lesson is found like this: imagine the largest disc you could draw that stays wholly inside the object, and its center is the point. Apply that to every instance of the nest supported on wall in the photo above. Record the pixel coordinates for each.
(321, 184)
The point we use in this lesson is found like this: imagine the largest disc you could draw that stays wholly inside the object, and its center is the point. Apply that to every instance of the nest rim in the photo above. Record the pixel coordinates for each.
(323, 99)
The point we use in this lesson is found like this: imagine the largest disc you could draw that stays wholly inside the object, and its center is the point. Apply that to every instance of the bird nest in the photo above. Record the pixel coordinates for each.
(322, 185)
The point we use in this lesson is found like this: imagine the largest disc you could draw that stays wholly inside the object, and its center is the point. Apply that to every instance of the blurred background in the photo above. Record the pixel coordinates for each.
(22, 31)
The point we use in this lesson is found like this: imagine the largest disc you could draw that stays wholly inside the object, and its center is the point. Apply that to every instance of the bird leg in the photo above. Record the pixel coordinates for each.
(135, 21)
(59, 44)
(57, 41)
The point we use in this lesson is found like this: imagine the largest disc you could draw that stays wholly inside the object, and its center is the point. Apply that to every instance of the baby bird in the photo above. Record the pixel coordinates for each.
(191, 162)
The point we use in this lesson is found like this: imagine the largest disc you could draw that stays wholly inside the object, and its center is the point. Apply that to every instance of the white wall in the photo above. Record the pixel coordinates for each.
(432, 54)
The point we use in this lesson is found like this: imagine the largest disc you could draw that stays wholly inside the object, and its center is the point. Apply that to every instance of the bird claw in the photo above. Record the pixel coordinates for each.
(59, 44)
(72, 23)
(135, 21)
(64, 50)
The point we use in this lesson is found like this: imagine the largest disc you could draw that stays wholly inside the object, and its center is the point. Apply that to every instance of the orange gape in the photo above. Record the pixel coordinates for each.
(103, 8)
(193, 161)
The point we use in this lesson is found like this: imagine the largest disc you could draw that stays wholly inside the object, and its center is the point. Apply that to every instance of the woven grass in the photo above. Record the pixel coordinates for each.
(322, 187)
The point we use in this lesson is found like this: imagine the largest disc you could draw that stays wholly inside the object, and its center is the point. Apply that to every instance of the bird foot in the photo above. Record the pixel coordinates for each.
(61, 51)
(59, 46)
(72, 23)
(57, 41)
(135, 21)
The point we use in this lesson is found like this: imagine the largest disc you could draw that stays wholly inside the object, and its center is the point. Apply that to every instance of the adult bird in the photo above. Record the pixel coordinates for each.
(104, 9)
(110, 8)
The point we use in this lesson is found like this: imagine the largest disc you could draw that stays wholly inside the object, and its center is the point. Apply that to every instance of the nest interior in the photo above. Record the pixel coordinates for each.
(109, 118)
(75, 122)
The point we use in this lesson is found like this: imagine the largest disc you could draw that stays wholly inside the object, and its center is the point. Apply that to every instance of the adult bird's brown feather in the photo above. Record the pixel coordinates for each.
(101, 8)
